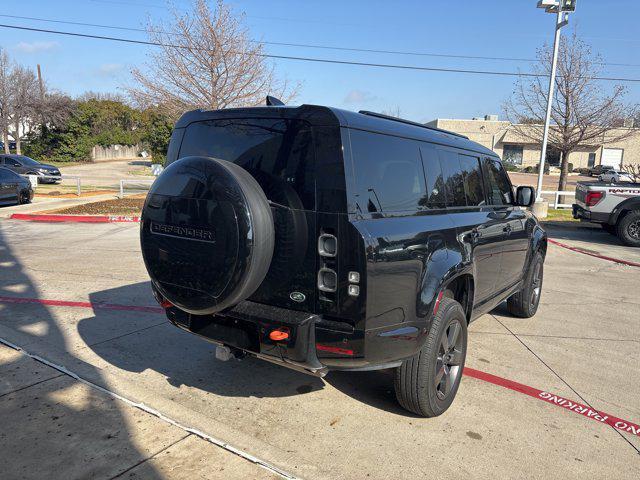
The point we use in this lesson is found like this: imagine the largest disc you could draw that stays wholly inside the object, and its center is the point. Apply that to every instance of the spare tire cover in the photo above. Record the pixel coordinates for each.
(207, 234)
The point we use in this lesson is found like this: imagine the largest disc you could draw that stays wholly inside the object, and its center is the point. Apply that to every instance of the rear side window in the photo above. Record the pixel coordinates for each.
(388, 173)
(472, 178)
(462, 179)
(497, 183)
(278, 153)
(435, 197)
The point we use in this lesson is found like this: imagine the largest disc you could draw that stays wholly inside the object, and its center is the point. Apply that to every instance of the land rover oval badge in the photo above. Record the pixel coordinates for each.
(297, 297)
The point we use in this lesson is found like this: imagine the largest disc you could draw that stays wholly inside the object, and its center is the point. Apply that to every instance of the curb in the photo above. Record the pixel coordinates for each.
(39, 217)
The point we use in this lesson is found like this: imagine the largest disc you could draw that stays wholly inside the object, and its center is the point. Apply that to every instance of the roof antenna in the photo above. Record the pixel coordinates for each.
(274, 102)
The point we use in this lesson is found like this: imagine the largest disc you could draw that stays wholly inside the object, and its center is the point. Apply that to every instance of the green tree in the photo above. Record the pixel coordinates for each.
(157, 132)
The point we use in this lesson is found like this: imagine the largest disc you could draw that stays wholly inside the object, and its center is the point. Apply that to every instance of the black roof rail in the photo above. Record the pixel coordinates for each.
(409, 122)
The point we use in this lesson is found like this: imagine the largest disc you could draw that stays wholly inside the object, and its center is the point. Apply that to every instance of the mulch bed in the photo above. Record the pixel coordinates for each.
(129, 206)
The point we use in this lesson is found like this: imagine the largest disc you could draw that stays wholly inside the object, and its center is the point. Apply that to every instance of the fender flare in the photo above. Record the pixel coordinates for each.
(538, 241)
(623, 207)
(446, 271)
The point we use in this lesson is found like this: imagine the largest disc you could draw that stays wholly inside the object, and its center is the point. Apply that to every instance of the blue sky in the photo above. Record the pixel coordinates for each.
(500, 28)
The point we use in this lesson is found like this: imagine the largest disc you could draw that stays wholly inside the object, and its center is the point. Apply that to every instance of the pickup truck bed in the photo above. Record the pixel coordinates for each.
(615, 206)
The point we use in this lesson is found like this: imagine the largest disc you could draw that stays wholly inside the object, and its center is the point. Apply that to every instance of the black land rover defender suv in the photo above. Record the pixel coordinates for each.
(321, 239)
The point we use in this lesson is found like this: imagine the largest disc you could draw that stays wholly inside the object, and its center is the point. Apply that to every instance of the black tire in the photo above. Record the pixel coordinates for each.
(417, 386)
(24, 197)
(524, 304)
(628, 229)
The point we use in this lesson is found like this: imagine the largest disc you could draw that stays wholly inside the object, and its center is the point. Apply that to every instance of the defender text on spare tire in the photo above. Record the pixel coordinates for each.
(321, 239)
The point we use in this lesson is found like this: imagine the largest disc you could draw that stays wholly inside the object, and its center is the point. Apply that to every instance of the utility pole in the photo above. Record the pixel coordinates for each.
(41, 83)
(561, 9)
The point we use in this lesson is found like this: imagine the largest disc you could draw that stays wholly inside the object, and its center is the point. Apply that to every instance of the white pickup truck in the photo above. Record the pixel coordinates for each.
(615, 206)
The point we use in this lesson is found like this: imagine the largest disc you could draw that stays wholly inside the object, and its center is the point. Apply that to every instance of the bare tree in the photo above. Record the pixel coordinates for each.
(206, 60)
(633, 169)
(582, 112)
(24, 102)
(392, 112)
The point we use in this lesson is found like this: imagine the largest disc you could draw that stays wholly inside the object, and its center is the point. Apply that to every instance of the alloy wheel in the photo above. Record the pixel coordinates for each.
(537, 284)
(634, 229)
(450, 358)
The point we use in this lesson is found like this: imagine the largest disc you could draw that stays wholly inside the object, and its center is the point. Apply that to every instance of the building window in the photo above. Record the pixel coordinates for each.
(512, 154)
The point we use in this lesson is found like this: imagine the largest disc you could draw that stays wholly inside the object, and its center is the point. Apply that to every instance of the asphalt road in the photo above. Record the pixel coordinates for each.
(108, 174)
(582, 345)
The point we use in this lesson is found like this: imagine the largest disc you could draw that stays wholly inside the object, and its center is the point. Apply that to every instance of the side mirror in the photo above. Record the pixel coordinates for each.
(525, 196)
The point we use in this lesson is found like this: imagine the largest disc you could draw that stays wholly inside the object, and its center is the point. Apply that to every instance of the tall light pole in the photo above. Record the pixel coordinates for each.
(561, 9)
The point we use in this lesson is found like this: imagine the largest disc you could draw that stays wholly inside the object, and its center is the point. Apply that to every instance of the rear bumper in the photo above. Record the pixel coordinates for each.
(582, 213)
(315, 344)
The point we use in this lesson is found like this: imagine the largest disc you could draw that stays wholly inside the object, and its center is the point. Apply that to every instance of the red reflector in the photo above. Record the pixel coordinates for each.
(166, 304)
(279, 335)
(437, 305)
(328, 348)
(592, 198)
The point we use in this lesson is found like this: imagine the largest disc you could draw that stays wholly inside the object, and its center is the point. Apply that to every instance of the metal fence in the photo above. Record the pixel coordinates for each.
(36, 180)
(134, 186)
(556, 197)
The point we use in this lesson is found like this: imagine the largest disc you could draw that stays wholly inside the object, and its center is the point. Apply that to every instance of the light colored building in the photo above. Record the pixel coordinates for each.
(501, 137)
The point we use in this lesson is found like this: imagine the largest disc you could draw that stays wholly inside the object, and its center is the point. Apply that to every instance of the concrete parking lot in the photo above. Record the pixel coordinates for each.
(145, 400)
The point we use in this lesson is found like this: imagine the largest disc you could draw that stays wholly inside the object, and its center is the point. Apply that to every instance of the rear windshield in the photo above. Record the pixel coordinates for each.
(278, 153)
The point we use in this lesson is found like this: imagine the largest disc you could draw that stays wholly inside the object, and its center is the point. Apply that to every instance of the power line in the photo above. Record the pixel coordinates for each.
(285, 44)
(308, 45)
(309, 59)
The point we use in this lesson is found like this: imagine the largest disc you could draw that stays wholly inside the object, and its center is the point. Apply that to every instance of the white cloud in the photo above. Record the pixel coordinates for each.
(359, 96)
(35, 47)
(109, 69)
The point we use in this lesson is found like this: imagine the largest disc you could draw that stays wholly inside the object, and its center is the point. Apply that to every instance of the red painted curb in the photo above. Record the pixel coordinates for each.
(65, 303)
(591, 254)
(579, 408)
(43, 217)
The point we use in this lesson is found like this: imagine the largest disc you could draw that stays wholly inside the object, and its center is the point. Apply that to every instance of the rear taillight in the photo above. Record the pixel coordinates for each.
(593, 198)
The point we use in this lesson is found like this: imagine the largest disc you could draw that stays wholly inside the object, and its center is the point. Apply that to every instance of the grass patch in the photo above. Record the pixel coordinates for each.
(144, 172)
(560, 215)
(69, 189)
(64, 164)
(128, 206)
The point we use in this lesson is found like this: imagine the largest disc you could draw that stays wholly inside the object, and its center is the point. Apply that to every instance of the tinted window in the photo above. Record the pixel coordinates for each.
(498, 185)
(472, 175)
(278, 153)
(435, 196)
(26, 160)
(388, 172)
(12, 162)
(453, 178)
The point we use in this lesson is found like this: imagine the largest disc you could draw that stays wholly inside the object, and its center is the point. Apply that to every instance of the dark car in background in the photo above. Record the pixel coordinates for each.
(28, 166)
(321, 239)
(14, 188)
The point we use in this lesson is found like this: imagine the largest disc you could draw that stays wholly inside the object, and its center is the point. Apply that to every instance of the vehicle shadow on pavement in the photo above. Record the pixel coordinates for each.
(52, 426)
(182, 358)
(187, 360)
(583, 233)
